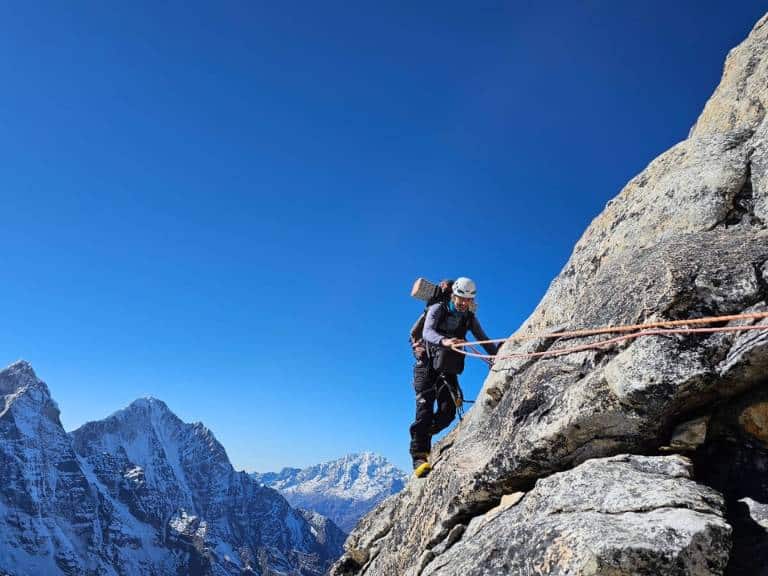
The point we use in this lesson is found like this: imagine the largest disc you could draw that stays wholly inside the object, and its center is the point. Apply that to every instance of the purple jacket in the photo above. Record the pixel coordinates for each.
(441, 323)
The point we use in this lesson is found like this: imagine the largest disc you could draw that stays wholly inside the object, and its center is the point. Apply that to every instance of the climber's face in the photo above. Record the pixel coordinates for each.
(462, 304)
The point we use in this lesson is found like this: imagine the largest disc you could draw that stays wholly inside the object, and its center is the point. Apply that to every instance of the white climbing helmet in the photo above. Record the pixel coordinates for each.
(464, 288)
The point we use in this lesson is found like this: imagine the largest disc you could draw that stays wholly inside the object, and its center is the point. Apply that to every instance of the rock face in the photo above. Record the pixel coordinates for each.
(325, 531)
(140, 493)
(686, 238)
(609, 514)
(344, 490)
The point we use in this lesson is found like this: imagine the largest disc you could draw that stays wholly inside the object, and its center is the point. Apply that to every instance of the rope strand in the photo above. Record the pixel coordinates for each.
(663, 328)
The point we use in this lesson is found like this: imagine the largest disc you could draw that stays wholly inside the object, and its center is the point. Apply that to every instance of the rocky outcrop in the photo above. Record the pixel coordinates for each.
(686, 238)
(343, 490)
(325, 530)
(626, 514)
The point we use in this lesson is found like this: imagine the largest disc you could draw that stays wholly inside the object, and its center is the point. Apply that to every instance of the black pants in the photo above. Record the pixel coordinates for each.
(431, 386)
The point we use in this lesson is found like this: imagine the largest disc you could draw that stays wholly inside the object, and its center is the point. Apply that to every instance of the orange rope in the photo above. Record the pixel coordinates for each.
(650, 329)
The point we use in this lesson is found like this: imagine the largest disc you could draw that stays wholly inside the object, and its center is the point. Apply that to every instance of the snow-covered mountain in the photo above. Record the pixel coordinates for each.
(140, 493)
(344, 490)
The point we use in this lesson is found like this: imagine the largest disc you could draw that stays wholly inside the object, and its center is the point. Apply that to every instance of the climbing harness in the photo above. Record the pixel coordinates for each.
(631, 331)
(456, 393)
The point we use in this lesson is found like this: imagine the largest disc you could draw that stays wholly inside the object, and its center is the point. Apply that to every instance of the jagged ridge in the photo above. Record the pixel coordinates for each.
(140, 492)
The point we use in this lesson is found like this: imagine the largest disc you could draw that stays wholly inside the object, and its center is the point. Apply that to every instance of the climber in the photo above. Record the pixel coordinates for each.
(435, 374)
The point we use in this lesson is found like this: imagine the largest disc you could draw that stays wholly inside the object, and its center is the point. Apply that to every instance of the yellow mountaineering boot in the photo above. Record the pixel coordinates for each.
(421, 466)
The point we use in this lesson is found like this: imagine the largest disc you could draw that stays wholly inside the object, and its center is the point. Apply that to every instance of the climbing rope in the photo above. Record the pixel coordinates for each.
(631, 331)
(476, 352)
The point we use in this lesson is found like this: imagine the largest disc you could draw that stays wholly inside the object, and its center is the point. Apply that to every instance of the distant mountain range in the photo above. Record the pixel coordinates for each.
(140, 493)
(343, 490)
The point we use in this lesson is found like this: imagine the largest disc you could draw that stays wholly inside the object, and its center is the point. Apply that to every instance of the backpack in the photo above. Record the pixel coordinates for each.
(432, 293)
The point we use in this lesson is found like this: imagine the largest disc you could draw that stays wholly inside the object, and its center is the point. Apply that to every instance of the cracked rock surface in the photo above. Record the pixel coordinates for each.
(686, 238)
(630, 515)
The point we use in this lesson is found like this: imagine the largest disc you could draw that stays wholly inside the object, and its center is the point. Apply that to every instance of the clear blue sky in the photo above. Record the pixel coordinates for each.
(224, 204)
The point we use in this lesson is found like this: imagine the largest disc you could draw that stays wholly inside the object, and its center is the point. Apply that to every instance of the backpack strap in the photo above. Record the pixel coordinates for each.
(441, 311)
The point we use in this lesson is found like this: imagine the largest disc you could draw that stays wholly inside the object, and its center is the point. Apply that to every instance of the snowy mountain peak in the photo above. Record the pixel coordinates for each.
(138, 493)
(356, 476)
(366, 460)
(164, 468)
(148, 432)
(16, 376)
(19, 385)
(343, 489)
(148, 414)
(149, 404)
(22, 366)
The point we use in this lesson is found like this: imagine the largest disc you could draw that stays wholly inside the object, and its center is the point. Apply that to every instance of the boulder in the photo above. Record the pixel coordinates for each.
(625, 515)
